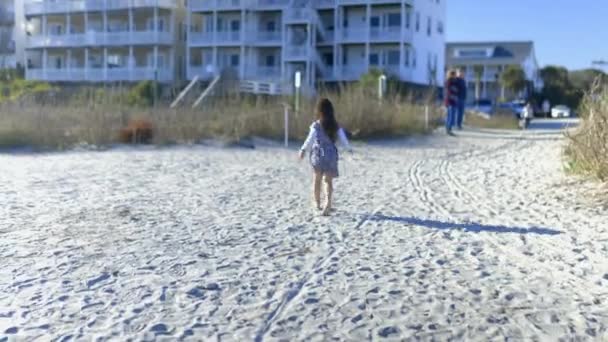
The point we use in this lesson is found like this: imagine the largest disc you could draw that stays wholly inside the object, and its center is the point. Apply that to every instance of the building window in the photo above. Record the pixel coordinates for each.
(417, 21)
(375, 22)
(235, 25)
(406, 59)
(394, 19)
(414, 59)
(472, 53)
(234, 60)
(114, 61)
(429, 25)
(393, 57)
(270, 60)
(374, 59)
(408, 19)
(440, 27)
(271, 26)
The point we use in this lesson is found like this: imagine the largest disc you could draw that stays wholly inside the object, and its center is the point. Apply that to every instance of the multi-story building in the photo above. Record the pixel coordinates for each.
(484, 62)
(104, 40)
(265, 42)
(7, 32)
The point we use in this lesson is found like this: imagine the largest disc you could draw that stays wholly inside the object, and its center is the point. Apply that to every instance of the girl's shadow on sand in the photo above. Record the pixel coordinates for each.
(468, 227)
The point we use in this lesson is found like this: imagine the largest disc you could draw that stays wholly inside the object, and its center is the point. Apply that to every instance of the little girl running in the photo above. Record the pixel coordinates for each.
(323, 152)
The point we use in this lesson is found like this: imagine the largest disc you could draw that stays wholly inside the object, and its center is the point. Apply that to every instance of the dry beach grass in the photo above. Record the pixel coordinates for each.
(98, 119)
(588, 147)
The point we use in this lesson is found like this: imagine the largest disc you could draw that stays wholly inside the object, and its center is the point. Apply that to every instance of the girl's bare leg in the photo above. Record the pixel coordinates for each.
(317, 177)
(329, 192)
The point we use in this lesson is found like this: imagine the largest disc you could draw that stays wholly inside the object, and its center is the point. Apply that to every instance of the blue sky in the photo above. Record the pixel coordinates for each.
(571, 33)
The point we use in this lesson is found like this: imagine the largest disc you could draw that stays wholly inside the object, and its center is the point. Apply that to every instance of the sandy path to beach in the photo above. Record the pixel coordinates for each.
(477, 237)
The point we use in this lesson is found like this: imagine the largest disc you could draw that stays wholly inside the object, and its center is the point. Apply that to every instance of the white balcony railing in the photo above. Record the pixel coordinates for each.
(364, 2)
(261, 72)
(207, 5)
(354, 34)
(219, 38)
(303, 14)
(38, 7)
(126, 74)
(265, 37)
(325, 3)
(268, 3)
(7, 16)
(349, 73)
(101, 38)
(298, 52)
(391, 33)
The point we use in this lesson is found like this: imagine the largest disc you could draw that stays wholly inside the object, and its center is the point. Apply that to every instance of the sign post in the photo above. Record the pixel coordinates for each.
(381, 87)
(298, 85)
(286, 114)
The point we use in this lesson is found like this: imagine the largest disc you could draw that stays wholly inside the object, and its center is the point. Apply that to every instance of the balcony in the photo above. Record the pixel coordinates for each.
(7, 46)
(354, 35)
(199, 71)
(223, 38)
(385, 34)
(265, 38)
(378, 2)
(124, 74)
(7, 17)
(33, 7)
(209, 5)
(343, 73)
(262, 72)
(324, 4)
(298, 52)
(299, 15)
(267, 4)
(101, 39)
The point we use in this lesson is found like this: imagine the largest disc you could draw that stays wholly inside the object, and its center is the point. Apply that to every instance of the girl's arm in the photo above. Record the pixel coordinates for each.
(344, 139)
(308, 140)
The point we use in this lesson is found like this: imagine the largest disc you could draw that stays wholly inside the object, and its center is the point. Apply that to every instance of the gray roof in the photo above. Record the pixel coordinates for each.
(502, 52)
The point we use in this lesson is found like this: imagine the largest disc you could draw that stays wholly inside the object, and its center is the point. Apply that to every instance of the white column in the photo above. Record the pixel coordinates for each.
(214, 34)
(484, 83)
(45, 60)
(243, 58)
(131, 63)
(86, 23)
(69, 62)
(402, 40)
(188, 26)
(105, 64)
(105, 21)
(336, 35)
(155, 58)
(45, 32)
(86, 64)
(156, 23)
(368, 14)
(172, 62)
(130, 25)
(68, 23)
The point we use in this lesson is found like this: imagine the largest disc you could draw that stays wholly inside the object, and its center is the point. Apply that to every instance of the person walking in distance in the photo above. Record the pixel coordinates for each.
(451, 91)
(462, 98)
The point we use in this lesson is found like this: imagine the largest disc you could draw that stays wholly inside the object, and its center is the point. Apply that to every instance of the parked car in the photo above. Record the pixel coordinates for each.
(482, 105)
(561, 111)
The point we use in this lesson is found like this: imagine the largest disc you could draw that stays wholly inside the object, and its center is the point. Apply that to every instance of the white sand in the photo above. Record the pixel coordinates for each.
(478, 237)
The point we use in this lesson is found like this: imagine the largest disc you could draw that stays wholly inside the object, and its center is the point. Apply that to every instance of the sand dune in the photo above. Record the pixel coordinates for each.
(478, 237)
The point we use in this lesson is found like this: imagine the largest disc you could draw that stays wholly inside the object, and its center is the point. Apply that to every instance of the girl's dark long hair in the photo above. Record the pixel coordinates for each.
(325, 115)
